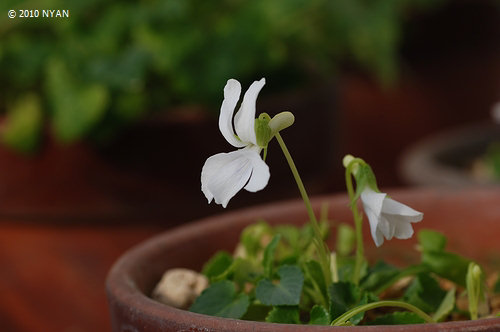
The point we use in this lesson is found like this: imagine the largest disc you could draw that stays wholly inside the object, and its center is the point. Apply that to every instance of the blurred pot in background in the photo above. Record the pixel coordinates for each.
(461, 157)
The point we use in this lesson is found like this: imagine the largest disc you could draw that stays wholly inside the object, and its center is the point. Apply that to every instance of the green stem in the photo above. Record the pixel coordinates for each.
(323, 253)
(358, 222)
(365, 307)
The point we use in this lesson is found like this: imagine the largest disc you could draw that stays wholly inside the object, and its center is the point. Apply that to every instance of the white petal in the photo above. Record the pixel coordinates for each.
(391, 206)
(403, 230)
(373, 200)
(232, 92)
(224, 174)
(375, 232)
(244, 120)
(386, 227)
(260, 171)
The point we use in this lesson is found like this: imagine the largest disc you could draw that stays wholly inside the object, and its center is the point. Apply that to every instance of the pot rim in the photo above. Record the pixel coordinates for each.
(122, 290)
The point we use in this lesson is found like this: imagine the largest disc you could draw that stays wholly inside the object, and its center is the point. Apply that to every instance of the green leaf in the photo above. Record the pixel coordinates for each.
(380, 284)
(251, 238)
(378, 275)
(447, 265)
(430, 240)
(23, 124)
(496, 288)
(424, 292)
(219, 263)
(257, 312)
(445, 307)
(346, 239)
(398, 318)
(284, 315)
(319, 316)
(267, 261)
(314, 274)
(290, 236)
(221, 299)
(285, 292)
(345, 268)
(77, 107)
(343, 296)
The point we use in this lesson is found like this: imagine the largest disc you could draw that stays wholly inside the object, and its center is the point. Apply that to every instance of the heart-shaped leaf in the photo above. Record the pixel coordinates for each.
(286, 291)
(221, 300)
(319, 316)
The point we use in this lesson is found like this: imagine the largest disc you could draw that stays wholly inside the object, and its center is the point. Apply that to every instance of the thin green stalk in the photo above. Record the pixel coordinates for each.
(369, 306)
(358, 222)
(323, 253)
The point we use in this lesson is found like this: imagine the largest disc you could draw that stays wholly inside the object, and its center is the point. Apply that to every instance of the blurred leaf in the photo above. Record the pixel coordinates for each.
(319, 316)
(23, 125)
(267, 261)
(447, 265)
(445, 307)
(344, 296)
(284, 315)
(378, 275)
(286, 292)
(221, 299)
(76, 108)
(219, 263)
(397, 318)
(314, 272)
(430, 240)
(424, 292)
(346, 239)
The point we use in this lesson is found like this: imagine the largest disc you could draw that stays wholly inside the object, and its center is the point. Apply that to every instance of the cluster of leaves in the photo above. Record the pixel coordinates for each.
(274, 277)
(107, 63)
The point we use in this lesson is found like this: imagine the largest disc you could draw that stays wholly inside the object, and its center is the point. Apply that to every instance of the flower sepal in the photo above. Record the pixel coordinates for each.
(363, 174)
(263, 133)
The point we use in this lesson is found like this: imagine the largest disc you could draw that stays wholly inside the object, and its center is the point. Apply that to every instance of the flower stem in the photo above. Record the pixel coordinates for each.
(365, 307)
(358, 222)
(323, 253)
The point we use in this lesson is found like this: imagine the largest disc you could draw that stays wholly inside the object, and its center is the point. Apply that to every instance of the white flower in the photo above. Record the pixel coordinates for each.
(387, 217)
(224, 174)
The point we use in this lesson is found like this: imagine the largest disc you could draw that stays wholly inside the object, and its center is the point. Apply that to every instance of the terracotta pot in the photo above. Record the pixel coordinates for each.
(470, 219)
(447, 158)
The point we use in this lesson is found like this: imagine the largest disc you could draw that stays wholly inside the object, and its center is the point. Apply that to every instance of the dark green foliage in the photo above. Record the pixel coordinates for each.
(121, 59)
(221, 299)
(378, 275)
(424, 293)
(277, 278)
(399, 317)
(319, 316)
(284, 314)
(345, 296)
(285, 292)
(217, 264)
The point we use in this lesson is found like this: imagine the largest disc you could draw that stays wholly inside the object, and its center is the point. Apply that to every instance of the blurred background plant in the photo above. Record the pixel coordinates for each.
(113, 62)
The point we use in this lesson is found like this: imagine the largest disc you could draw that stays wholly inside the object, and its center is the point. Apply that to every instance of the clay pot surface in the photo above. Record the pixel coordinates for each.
(470, 219)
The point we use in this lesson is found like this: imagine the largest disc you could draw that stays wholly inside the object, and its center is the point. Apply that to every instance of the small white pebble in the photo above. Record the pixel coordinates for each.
(180, 287)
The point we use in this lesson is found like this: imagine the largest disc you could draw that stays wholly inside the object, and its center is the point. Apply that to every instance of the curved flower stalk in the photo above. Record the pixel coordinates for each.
(387, 217)
(225, 174)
